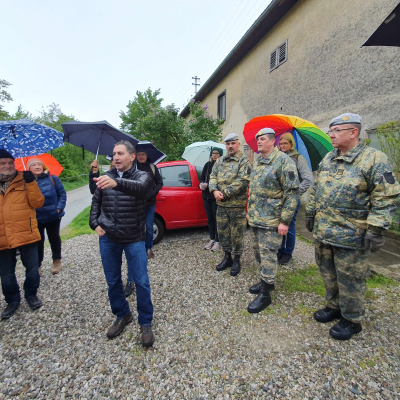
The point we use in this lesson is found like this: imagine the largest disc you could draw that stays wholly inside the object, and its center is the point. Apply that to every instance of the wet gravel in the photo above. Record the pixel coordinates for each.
(207, 346)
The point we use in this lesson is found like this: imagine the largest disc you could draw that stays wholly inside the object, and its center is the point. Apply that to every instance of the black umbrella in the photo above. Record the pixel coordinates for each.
(96, 137)
(153, 154)
(388, 33)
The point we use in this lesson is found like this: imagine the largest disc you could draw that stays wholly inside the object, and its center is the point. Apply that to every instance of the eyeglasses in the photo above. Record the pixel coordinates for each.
(214, 154)
(35, 164)
(338, 130)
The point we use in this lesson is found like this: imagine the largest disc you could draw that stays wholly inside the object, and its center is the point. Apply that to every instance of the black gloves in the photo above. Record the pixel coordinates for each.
(310, 223)
(28, 176)
(374, 241)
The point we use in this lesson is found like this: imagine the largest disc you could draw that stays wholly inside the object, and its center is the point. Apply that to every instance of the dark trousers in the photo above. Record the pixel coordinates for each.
(53, 234)
(9, 284)
(211, 211)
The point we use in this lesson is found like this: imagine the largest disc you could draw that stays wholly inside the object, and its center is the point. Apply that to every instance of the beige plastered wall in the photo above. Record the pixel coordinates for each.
(327, 72)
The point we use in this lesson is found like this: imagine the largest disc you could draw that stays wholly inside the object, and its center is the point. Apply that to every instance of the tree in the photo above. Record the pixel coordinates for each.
(143, 104)
(4, 97)
(171, 133)
(165, 129)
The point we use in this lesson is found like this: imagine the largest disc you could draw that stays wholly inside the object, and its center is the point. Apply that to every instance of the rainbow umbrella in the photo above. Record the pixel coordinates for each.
(312, 143)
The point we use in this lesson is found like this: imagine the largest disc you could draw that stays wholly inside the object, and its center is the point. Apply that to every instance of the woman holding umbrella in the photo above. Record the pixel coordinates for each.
(287, 144)
(49, 216)
(210, 204)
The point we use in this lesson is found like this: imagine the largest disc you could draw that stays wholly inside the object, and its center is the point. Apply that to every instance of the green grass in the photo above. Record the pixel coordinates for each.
(304, 239)
(307, 280)
(76, 184)
(380, 281)
(78, 226)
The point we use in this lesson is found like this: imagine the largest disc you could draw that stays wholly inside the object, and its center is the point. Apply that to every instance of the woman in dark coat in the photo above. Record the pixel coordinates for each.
(210, 204)
(49, 216)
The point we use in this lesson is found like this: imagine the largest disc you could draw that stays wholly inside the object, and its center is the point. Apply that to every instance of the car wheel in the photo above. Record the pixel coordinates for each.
(158, 230)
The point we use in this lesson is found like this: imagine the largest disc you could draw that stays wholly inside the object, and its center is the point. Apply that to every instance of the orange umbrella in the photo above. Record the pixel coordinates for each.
(52, 164)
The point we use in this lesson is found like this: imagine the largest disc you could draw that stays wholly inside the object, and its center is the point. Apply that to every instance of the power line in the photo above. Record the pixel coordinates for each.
(183, 89)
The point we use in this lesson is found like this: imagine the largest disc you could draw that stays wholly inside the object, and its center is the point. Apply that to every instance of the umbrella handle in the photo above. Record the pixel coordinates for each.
(98, 147)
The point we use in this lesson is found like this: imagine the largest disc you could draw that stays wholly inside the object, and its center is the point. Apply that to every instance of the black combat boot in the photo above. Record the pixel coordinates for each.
(345, 329)
(226, 262)
(263, 300)
(255, 289)
(235, 270)
(326, 314)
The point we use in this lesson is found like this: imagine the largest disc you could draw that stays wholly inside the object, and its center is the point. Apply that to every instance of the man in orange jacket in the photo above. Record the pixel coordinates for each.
(19, 196)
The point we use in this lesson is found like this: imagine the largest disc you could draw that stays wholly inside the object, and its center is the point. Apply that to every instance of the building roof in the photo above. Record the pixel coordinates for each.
(264, 23)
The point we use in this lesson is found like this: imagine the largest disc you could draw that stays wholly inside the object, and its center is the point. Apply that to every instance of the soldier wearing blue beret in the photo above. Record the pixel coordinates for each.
(351, 205)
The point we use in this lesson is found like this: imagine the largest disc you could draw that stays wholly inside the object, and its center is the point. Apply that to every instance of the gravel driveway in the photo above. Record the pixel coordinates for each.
(207, 346)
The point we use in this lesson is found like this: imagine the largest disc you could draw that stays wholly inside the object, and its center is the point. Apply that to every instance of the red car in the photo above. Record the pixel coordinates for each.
(179, 203)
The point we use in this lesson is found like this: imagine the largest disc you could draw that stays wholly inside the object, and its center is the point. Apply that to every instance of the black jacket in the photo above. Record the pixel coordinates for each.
(92, 183)
(121, 211)
(205, 178)
(156, 180)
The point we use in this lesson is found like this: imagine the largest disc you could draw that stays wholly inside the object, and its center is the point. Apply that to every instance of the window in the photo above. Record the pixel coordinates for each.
(222, 105)
(176, 176)
(278, 56)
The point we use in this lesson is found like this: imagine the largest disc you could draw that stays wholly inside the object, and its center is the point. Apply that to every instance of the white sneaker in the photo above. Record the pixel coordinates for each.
(215, 247)
(209, 245)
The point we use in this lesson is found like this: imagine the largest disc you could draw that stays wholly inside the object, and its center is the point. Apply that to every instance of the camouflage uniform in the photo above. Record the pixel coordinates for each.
(231, 175)
(353, 193)
(273, 198)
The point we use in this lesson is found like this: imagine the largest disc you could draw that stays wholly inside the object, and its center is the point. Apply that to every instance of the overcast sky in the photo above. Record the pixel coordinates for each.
(91, 57)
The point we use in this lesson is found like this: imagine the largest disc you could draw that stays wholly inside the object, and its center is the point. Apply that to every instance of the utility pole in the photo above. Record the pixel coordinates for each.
(195, 83)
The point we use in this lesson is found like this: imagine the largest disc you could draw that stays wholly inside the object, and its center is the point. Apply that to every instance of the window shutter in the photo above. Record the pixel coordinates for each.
(273, 62)
(282, 49)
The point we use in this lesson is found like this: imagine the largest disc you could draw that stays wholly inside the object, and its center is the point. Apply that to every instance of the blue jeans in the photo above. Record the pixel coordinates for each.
(9, 284)
(136, 257)
(150, 213)
(289, 241)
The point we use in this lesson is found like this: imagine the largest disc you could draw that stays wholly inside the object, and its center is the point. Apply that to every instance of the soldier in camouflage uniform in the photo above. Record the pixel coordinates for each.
(351, 204)
(229, 181)
(274, 195)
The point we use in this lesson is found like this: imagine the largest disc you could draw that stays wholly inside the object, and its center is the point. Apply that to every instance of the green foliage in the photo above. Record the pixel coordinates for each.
(171, 133)
(75, 183)
(142, 105)
(78, 226)
(4, 97)
(380, 281)
(166, 130)
(202, 126)
(389, 140)
(307, 280)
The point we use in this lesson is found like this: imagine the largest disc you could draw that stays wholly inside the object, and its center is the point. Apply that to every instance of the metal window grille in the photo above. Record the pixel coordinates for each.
(278, 56)
(282, 53)
(273, 62)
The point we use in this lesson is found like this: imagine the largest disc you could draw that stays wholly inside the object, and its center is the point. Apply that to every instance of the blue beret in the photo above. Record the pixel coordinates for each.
(231, 137)
(265, 131)
(346, 118)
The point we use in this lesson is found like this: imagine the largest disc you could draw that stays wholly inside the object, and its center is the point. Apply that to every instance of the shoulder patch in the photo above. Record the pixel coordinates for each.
(291, 175)
(389, 177)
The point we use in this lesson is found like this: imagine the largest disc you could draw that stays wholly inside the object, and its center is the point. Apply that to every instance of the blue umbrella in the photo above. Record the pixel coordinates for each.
(96, 137)
(153, 154)
(24, 138)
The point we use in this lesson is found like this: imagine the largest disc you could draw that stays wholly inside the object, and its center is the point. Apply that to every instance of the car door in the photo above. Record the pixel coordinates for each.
(177, 201)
